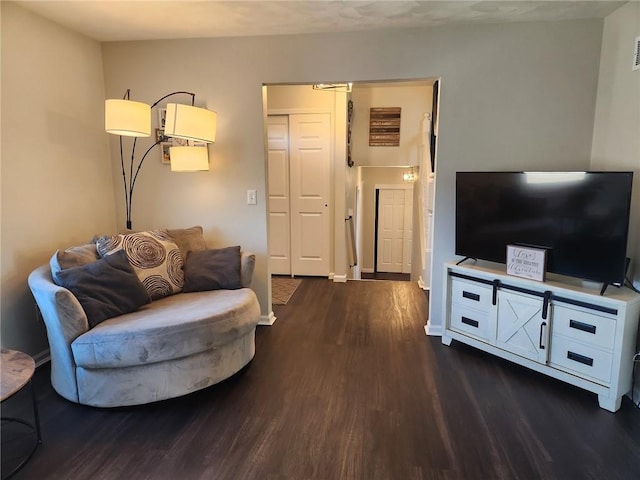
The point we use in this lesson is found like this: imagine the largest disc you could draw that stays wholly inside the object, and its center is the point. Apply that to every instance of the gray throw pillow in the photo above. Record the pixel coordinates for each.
(105, 288)
(72, 257)
(215, 269)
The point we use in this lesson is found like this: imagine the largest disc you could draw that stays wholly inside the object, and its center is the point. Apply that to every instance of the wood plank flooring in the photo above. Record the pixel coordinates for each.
(345, 385)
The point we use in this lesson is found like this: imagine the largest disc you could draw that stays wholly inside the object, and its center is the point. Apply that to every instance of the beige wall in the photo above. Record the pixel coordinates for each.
(56, 177)
(616, 131)
(414, 100)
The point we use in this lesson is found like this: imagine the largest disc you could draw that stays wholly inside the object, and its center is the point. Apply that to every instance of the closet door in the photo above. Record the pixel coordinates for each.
(310, 168)
(279, 213)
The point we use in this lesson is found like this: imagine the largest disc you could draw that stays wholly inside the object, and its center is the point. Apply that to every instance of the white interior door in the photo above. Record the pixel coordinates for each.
(279, 213)
(393, 222)
(310, 168)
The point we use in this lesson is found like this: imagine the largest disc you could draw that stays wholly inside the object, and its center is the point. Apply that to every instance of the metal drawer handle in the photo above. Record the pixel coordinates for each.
(469, 321)
(585, 327)
(542, 325)
(471, 296)
(576, 357)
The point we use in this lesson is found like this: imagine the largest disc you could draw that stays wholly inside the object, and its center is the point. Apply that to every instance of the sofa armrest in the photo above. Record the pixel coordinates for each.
(65, 320)
(247, 264)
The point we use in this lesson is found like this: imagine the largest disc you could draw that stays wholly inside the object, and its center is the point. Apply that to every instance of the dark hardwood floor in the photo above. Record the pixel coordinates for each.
(398, 277)
(345, 385)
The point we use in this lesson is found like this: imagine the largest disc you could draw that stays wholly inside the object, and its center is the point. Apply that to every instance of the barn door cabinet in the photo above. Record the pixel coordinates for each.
(566, 331)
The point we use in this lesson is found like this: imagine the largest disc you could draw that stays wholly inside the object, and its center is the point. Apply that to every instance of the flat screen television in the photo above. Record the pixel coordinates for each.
(580, 218)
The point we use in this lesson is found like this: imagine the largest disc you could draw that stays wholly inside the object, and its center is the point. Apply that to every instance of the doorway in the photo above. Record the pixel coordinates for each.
(393, 225)
(350, 115)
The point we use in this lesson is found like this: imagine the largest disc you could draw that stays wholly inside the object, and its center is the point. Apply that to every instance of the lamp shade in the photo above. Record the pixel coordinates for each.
(127, 118)
(189, 159)
(190, 123)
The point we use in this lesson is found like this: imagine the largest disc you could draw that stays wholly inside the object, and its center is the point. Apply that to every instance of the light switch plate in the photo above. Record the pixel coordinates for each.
(252, 197)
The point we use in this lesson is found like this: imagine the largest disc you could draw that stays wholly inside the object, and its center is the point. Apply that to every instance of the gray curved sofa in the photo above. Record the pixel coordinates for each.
(167, 348)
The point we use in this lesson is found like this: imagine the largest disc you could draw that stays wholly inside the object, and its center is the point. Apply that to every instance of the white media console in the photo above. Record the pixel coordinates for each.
(569, 332)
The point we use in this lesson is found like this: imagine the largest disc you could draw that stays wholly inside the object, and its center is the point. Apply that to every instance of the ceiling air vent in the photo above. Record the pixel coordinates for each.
(636, 55)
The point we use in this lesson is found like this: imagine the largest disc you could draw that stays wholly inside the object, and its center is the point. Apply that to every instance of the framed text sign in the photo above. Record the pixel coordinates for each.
(526, 262)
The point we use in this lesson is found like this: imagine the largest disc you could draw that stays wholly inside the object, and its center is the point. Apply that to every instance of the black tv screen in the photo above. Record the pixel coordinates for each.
(580, 218)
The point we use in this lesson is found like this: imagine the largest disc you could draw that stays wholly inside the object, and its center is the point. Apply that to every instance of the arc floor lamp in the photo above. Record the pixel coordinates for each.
(127, 118)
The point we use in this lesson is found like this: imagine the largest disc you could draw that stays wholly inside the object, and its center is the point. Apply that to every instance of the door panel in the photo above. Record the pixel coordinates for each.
(310, 156)
(279, 198)
(391, 230)
(520, 326)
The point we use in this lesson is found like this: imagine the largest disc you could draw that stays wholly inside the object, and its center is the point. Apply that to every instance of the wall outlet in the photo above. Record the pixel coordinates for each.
(252, 197)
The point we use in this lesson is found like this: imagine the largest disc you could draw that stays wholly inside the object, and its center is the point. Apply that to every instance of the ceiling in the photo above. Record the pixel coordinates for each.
(119, 20)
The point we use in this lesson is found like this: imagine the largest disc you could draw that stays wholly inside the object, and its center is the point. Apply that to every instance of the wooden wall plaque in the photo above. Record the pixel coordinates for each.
(384, 127)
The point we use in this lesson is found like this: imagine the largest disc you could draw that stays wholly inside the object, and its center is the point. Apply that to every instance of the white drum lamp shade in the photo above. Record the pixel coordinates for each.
(127, 118)
(189, 159)
(190, 123)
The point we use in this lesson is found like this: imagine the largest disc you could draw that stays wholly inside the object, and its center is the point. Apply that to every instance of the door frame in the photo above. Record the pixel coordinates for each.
(376, 196)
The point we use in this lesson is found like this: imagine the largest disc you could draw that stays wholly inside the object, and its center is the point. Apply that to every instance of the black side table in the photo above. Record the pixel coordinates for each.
(16, 371)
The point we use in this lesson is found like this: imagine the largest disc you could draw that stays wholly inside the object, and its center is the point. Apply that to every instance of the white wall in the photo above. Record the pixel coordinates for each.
(56, 178)
(513, 96)
(616, 131)
(414, 100)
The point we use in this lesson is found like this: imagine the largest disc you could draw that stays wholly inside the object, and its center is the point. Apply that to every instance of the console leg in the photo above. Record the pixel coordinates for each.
(609, 403)
(446, 340)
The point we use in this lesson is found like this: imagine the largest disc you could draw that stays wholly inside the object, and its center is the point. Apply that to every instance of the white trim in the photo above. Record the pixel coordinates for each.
(423, 285)
(340, 278)
(267, 320)
(42, 357)
(433, 330)
(331, 275)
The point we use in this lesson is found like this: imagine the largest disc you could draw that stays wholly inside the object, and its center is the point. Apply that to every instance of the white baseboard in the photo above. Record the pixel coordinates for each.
(422, 285)
(340, 278)
(42, 357)
(433, 330)
(267, 320)
(330, 277)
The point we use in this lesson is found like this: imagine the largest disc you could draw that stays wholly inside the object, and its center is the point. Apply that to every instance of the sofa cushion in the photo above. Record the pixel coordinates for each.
(153, 255)
(72, 257)
(188, 239)
(167, 329)
(105, 288)
(213, 269)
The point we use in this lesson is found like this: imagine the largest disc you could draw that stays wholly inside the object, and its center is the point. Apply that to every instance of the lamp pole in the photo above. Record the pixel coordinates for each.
(130, 180)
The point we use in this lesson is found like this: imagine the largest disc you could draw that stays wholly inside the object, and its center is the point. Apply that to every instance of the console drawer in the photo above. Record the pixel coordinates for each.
(578, 357)
(584, 326)
(470, 294)
(471, 321)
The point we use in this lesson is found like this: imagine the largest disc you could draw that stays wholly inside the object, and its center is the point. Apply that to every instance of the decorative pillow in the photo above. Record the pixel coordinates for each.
(188, 239)
(217, 269)
(72, 257)
(154, 257)
(105, 288)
